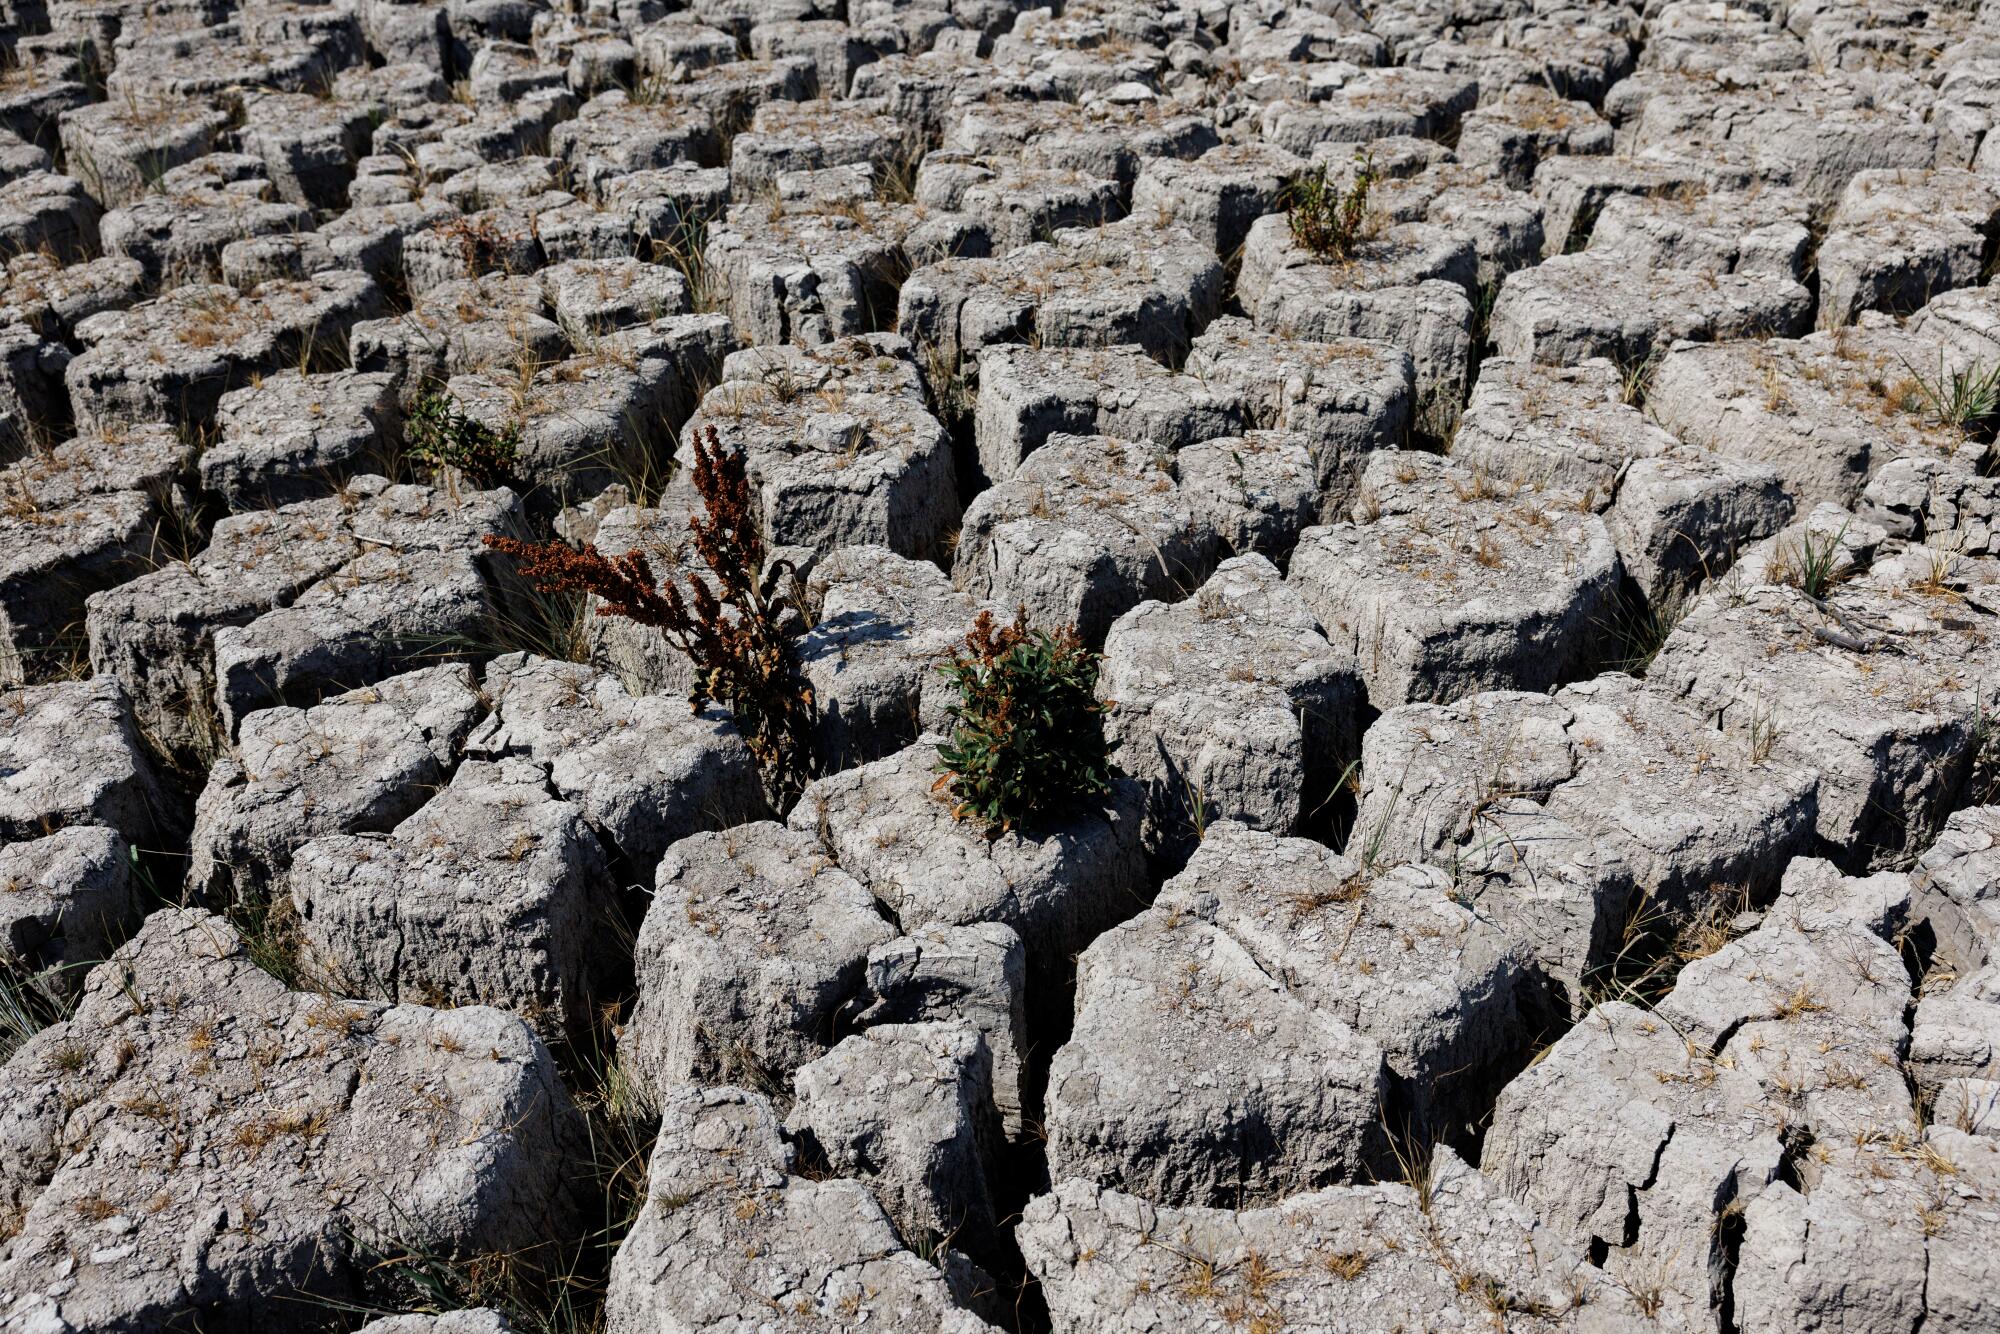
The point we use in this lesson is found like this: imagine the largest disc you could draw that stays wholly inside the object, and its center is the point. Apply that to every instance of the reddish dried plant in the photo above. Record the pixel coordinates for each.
(738, 633)
(478, 242)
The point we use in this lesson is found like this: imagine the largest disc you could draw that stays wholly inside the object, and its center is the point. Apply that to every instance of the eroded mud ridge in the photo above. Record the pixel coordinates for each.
(1526, 474)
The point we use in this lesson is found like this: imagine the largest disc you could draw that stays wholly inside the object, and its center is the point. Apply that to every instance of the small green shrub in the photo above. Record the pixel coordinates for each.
(1027, 734)
(1326, 219)
(441, 436)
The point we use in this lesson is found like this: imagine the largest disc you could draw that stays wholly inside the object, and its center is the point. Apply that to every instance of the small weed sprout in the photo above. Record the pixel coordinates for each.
(1635, 376)
(1326, 219)
(1027, 735)
(441, 436)
(28, 1004)
(1967, 401)
(1983, 783)
(1638, 629)
(739, 632)
(1818, 563)
(1763, 736)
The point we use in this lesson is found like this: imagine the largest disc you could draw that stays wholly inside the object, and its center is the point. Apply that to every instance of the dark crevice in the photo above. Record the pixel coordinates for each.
(1918, 946)
(1795, 1142)
(1725, 1248)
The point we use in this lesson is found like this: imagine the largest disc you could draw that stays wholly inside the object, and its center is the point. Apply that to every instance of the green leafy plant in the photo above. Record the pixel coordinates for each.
(441, 436)
(739, 631)
(1326, 219)
(1027, 732)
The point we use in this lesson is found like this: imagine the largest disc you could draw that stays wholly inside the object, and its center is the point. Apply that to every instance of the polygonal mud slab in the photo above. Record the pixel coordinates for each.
(1058, 885)
(974, 976)
(172, 358)
(1574, 307)
(73, 756)
(1230, 705)
(294, 1168)
(69, 896)
(1086, 529)
(647, 770)
(1458, 584)
(1347, 396)
(1195, 1077)
(1828, 412)
(1678, 513)
(839, 443)
(495, 893)
(1869, 682)
(295, 436)
(1374, 1258)
(355, 763)
(1129, 282)
(753, 942)
(214, 638)
(1029, 394)
(1408, 286)
(885, 623)
(75, 520)
(908, 1108)
(728, 1233)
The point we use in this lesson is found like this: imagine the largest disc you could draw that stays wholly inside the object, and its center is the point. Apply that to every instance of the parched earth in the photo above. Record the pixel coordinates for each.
(1551, 874)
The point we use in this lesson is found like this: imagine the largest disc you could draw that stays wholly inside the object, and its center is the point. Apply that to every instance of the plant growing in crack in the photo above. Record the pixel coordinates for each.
(1819, 565)
(1966, 400)
(1982, 784)
(1325, 219)
(1027, 736)
(738, 626)
(441, 436)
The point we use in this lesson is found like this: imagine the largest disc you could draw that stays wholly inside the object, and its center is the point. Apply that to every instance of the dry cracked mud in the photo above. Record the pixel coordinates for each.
(1528, 475)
